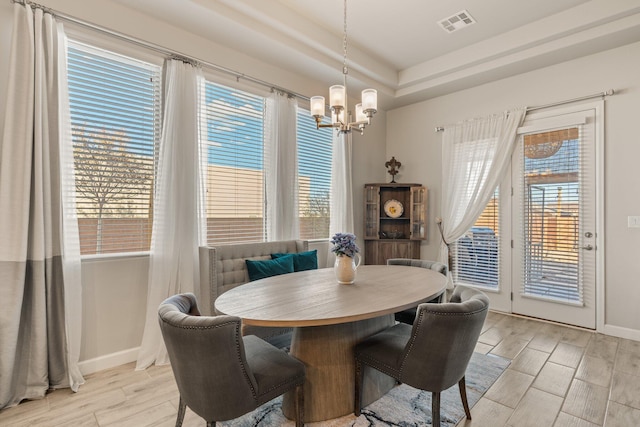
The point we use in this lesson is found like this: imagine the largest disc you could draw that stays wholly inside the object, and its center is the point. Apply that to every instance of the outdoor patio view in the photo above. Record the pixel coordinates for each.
(477, 253)
(552, 215)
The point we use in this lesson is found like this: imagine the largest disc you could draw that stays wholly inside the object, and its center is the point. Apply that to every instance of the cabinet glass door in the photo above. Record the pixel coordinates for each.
(418, 213)
(372, 214)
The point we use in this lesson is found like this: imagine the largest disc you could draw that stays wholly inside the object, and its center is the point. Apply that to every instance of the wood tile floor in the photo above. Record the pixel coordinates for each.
(559, 377)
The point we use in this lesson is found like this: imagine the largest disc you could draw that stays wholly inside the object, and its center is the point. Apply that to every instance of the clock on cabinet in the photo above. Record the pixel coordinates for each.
(395, 221)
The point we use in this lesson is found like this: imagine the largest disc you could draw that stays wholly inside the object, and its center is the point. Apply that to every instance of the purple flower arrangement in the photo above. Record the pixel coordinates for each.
(344, 244)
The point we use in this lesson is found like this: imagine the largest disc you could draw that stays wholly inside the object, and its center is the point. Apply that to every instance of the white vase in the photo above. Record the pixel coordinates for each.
(345, 268)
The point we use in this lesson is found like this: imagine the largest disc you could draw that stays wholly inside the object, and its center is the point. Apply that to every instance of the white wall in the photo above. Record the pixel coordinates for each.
(115, 289)
(411, 138)
(114, 295)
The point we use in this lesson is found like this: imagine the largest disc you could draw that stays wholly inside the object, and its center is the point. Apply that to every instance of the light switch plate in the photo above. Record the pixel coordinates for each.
(633, 221)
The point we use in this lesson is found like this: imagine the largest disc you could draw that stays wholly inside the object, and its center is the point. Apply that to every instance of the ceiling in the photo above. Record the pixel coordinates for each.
(398, 47)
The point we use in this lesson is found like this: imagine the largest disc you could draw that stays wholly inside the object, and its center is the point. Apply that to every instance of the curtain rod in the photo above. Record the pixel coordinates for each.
(157, 48)
(555, 104)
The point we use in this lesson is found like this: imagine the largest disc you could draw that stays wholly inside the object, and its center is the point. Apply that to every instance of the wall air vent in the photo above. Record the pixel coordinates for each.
(456, 22)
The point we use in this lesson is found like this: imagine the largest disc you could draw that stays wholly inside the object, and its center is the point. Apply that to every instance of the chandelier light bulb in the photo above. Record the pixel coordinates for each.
(337, 96)
(370, 100)
(317, 106)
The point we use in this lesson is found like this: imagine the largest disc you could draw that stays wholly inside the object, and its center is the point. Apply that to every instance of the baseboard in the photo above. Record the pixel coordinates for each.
(620, 332)
(108, 361)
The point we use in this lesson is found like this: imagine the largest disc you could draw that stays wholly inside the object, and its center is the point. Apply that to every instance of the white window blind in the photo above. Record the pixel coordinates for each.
(551, 190)
(115, 121)
(234, 179)
(314, 177)
(476, 255)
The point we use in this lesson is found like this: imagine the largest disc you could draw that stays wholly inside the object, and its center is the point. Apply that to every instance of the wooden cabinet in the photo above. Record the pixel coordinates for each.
(395, 221)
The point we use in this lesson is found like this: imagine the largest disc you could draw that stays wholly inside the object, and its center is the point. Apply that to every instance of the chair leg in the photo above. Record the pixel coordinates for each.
(358, 389)
(435, 409)
(463, 394)
(300, 406)
(182, 408)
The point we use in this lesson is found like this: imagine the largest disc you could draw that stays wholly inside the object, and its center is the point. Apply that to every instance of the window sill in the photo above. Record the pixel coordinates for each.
(110, 257)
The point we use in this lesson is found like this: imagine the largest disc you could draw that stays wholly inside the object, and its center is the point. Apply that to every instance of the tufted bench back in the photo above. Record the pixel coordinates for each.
(223, 267)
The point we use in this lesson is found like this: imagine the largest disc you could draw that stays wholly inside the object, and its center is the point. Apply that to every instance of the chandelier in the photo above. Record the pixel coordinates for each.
(341, 118)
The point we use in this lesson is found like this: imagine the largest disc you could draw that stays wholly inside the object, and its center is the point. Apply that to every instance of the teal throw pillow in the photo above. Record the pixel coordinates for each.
(302, 260)
(269, 267)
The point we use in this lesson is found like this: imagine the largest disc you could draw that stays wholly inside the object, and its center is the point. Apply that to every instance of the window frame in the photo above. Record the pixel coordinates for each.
(110, 50)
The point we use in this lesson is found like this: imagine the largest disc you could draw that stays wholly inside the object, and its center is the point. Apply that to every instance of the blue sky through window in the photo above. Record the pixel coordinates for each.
(235, 132)
(115, 96)
(235, 128)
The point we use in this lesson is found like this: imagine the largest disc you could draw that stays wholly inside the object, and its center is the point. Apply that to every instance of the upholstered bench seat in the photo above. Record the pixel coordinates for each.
(224, 267)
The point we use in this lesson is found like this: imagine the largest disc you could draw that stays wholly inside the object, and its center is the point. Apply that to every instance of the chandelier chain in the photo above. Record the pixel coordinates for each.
(345, 70)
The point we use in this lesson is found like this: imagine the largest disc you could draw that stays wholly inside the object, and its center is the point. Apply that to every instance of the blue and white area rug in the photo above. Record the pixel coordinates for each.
(402, 406)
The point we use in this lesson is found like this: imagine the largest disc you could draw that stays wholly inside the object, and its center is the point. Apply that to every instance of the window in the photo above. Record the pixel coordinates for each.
(234, 176)
(314, 177)
(476, 255)
(115, 124)
(234, 173)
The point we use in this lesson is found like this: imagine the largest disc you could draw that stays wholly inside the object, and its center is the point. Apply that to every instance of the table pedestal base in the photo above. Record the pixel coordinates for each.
(327, 352)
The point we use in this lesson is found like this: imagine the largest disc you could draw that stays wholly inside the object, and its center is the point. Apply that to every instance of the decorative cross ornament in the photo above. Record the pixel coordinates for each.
(393, 165)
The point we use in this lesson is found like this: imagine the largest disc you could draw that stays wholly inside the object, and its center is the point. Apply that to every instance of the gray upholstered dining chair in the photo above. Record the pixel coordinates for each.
(407, 316)
(220, 374)
(431, 355)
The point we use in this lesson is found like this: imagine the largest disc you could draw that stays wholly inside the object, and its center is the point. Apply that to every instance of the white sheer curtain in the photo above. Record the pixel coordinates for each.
(178, 215)
(281, 168)
(475, 156)
(341, 220)
(40, 294)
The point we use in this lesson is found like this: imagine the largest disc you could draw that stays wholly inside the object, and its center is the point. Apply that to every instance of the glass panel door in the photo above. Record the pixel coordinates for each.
(554, 228)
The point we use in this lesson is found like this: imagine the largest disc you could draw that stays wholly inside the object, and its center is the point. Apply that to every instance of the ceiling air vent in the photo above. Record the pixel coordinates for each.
(456, 22)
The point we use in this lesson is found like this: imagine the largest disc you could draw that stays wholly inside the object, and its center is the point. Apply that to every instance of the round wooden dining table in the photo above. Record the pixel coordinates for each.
(328, 320)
